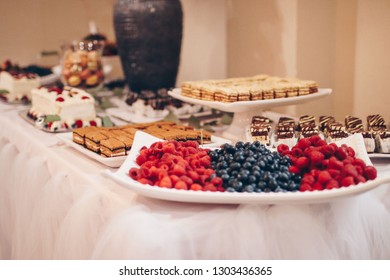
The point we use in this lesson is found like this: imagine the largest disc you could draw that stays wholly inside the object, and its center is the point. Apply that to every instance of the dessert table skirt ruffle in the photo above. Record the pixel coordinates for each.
(56, 204)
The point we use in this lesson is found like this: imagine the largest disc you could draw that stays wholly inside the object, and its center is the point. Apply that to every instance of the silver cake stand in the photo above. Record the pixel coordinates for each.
(245, 110)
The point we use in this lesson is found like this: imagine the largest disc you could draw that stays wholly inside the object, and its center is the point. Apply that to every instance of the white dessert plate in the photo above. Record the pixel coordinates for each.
(142, 139)
(242, 106)
(118, 161)
(129, 116)
(378, 155)
(110, 162)
(49, 79)
(23, 115)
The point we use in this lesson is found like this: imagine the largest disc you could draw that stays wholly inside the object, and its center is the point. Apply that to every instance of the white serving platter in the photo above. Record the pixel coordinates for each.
(242, 106)
(142, 139)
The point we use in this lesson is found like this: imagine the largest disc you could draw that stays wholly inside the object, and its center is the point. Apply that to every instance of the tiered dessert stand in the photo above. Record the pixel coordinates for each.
(245, 110)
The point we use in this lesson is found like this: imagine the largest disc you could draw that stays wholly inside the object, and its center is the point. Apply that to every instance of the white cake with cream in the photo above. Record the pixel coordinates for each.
(60, 109)
(17, 86)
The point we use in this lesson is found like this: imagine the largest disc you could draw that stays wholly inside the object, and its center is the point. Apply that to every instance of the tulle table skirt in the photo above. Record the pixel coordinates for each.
(56, 204)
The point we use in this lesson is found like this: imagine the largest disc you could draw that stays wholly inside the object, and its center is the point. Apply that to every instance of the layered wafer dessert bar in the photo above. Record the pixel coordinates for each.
(117, 141)
(259, 87)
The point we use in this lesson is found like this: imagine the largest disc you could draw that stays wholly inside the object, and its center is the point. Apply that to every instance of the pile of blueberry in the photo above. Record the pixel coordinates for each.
(251, 167)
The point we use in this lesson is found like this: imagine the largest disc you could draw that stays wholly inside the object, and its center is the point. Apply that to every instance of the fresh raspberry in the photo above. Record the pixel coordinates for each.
(303, 143)
(327, 150)
(180, 185)
(305, 187)
(210, 187)
(217, 182)
(133, 173)
(359, 169)
(325, 163)
(145, 181)
(196, 187)
(313, 139)
(174, 179)
(84, 97)
(324, 177)
(296, 152)
(334, 163)
(205, 161)
(193, 175)
(317, 186)
(166, 182)
(359, 162)
(350, 170)
(92, 123)
(348, 160)
(186, 180)
(193, 144)
(178, 170)
(370, 173)
(308, 179)
(334, 172)
(320, 143)
(168, 148)
(341, 153)
(302, 163)
(360, 179)
(350, 151)
(347, 181)
(294, 169)
(282, 148)
(316, 158)
(332, 184)
(60, 99)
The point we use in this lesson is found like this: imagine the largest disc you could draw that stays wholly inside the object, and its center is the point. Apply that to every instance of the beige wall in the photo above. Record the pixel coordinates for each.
(372, 72)
(341, 44)
(30, 26)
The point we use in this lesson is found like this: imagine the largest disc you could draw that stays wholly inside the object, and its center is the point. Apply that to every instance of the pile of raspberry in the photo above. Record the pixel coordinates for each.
(326, 166)
(179, 165)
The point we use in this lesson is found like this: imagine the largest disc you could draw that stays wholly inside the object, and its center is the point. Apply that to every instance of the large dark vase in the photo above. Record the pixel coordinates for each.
(148, 35)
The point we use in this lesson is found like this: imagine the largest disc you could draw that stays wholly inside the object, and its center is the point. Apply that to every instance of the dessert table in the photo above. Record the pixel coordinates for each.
(57, 204)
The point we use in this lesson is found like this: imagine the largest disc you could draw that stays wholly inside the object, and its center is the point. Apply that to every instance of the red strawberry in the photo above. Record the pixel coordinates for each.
(302, 162)
(324, 177)
(92, 123)
(347, 181)
(370, 173)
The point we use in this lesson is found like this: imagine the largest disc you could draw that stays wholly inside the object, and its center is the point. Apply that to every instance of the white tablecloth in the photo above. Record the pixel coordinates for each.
(56, 204)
